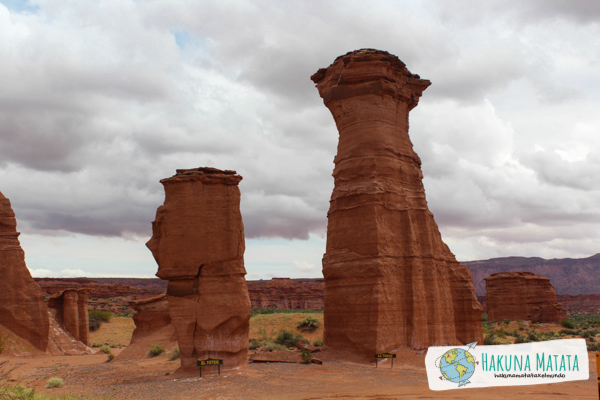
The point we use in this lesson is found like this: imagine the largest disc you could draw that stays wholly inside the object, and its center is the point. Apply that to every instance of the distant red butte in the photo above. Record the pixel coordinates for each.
(286, 293)
(117, 287)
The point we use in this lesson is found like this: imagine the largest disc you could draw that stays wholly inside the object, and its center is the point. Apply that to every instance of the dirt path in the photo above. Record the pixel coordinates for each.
(155, 379)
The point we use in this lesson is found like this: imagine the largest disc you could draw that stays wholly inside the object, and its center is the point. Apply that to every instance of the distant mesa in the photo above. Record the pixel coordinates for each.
(522, 295)
(390, 281)
(568, 275)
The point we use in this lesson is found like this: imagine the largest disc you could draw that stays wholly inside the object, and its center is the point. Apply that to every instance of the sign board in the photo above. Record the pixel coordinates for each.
(385, 355)
(208, 362)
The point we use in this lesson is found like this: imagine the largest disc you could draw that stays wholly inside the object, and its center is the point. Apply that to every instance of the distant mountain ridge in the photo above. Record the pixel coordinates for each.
(568, 275)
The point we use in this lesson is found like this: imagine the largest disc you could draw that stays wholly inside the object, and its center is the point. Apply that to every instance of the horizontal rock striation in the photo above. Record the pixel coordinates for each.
(198, 243)
(390, 281)
(286, 293)
(22, 307)
(522, 295)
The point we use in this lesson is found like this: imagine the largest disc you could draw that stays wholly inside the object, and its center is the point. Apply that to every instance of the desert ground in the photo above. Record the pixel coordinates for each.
(156, 378)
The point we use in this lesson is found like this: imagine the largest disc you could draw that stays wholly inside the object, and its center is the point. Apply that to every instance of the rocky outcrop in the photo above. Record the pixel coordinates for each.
(286, 293)
(95, 289)
(22, 307)
(568, 275)
(522, 295)
(152, 326)
(390, 281)
(198, 243)
(70, 310)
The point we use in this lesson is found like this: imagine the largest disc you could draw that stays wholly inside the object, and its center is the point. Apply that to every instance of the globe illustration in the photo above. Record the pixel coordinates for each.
(457, 365)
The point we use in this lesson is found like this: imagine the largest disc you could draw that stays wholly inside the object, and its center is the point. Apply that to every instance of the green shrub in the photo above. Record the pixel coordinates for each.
(105, 349)
(484, 317)
(174, 354)
(110, 357)
(94, 324)
(254, 344)
(533, 337)
(103, 316)
(155, 350)
(490, 340)
(54, 383)
(318, 342)
(274, 346)
(521, 339)
(568, 324)
(506, 321)
(309, 323)
(568, 332)
(287, 338)
(306, 356)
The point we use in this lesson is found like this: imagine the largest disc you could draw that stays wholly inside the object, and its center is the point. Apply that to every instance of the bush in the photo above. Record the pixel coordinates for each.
(318, 342)
(54, 383)
(105, 349)
(94, 324)
(568, 324)
(155, 350)
(309, 324)
(174, 354)
(287, 338)
(254, 344)
(306, 356)
(110, 357)
(506, 321)
(490, 340)
(521, 339)
(533, 337)
(103, 316)
(273, 346)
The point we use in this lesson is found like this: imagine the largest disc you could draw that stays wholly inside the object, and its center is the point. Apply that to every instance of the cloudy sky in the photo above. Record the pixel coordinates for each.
(100, 99)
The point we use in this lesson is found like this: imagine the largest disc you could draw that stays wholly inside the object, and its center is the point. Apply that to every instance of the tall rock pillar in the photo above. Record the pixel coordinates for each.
(390, 281)
(198, 243)
(22, 306)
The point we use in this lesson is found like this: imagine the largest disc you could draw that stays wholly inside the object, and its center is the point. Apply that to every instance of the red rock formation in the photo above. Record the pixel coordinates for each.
(22, 306)
(70, 309)
(286, 293)
(568, 275)
(198, 243)
(582, 303)
(152, 326)
(522, 295)
(390, 281)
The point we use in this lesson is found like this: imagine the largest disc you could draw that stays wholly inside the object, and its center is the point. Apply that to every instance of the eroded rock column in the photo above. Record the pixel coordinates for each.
(69, 307)
(198, 243)
(390, 281)
(22, 306)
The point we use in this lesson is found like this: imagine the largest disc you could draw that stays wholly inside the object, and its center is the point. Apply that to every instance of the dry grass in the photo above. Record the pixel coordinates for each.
(267, 326)
(118, 331)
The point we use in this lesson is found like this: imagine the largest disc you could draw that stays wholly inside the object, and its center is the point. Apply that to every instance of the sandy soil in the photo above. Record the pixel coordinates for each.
(156, 379)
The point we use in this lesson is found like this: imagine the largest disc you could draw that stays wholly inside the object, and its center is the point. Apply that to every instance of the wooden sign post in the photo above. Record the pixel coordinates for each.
(385, 355)
(598, 371)
(208, 362)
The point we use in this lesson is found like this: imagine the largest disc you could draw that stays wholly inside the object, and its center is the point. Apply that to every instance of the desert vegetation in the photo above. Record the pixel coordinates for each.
(586, 326)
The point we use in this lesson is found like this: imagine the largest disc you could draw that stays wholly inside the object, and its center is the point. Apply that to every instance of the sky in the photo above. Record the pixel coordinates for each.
(101, 99)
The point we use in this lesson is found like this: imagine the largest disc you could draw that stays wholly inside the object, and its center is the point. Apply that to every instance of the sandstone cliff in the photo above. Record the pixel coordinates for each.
(286, 293)
(22, 307)
(390, 281)
(152, 326)
(522, 295)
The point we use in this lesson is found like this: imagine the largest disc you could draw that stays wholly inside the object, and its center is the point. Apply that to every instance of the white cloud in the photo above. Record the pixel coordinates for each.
(102, 100)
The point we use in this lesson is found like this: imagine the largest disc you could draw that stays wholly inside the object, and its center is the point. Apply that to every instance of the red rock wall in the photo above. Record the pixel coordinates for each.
(522, 295)
(390, 281)
(71, 312)
(198, 243)
(22, 306)
(286, 293)
(152, 326)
